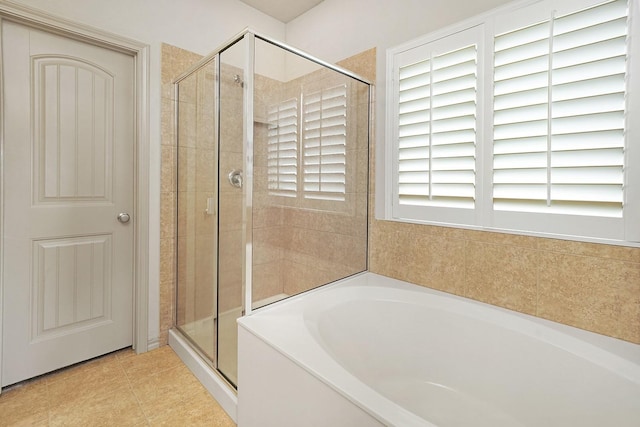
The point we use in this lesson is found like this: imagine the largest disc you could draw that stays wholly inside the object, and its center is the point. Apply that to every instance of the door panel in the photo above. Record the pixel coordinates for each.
(68, 173)
(72, 103)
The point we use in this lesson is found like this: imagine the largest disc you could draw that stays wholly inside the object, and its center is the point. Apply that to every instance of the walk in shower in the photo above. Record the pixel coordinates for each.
(272, 180)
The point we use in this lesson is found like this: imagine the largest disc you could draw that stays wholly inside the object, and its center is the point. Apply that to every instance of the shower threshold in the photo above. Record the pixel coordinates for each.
(202, 332)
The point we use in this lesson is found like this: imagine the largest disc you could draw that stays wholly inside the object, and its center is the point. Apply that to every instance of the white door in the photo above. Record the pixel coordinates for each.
(68, 174)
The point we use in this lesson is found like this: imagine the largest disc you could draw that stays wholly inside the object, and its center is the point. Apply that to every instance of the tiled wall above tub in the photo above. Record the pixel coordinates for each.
(589, 286)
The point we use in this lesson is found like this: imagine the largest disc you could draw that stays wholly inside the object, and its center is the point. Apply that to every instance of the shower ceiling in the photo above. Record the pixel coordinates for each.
(283, 10)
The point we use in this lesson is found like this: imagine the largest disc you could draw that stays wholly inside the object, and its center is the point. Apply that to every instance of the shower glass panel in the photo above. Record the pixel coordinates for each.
(272, 159)
(230, 197)
(311, 134)
(196, 243)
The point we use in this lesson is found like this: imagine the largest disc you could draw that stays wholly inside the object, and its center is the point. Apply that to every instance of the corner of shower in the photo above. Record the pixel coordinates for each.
(272, 191)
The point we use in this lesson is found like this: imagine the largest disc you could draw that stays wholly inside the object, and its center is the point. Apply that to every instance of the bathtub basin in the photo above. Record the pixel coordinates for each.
(371, 350)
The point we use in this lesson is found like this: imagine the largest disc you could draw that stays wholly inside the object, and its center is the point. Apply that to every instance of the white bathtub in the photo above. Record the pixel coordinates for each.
(372, 351)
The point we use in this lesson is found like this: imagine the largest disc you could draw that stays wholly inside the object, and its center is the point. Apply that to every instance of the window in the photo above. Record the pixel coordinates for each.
(311, 163)
(325, 144)
(282, 148)
(559, 105)
(436, 130)
(519, 122)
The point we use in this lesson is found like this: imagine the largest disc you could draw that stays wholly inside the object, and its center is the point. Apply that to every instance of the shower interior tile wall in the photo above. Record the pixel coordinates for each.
(590, 286)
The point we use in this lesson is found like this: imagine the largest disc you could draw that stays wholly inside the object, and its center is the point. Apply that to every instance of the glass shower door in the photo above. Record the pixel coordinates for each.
(196, 248)
(231, 246)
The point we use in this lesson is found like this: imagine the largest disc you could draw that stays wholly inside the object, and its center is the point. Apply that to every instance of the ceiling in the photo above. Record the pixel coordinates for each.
(283, 10)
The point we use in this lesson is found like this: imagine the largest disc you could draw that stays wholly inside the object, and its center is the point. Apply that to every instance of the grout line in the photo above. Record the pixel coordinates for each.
(135, 396)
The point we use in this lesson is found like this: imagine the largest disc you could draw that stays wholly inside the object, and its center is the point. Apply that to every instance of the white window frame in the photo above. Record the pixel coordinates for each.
(621, 231)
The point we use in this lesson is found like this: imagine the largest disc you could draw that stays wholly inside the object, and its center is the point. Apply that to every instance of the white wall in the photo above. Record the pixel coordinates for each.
(337, 29)
(197, 25)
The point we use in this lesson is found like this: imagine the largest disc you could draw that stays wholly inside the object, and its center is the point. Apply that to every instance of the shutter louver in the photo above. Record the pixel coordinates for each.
(559, 114)
(437, 130)
(324, 149)
(282, 148)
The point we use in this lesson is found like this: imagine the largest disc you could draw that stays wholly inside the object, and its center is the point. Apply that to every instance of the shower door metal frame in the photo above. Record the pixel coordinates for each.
(247, 185)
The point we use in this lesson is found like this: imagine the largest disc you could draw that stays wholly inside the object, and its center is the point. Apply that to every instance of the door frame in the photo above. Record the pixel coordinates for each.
(140, 52)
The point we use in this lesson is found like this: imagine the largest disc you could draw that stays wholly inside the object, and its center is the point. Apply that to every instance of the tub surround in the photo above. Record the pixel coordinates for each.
(590, 286)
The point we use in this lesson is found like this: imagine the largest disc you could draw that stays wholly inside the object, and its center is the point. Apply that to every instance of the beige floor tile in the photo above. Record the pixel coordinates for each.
(150, 363)
(108, 365)
(103, 377)
(199, 410)
(25, 404)
(117, 408)
(120, 389)
(125, 353)
(159, 393)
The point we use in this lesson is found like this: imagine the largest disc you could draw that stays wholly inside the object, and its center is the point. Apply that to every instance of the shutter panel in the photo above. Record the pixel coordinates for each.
(282, 148)
(324, 144)
(437, 129)
(559, 114)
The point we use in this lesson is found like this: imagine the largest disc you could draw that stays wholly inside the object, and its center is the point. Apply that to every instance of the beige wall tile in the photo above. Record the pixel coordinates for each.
(402, 251)
(167, 260)
(267, 280)
(363, 64)
(205, 170)
(590, 286)
(168, 173)
(502, 275)
(600, 295)
(590, 249)
(167, 215)
(168, 126)
(501, 238)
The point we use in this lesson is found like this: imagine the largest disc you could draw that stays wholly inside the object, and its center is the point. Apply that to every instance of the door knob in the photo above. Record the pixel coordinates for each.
(123, 217)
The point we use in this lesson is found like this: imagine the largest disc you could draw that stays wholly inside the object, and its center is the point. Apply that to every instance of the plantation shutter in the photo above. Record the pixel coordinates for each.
(324, 144)
(436, 128)
(559, 114)
(282, 148)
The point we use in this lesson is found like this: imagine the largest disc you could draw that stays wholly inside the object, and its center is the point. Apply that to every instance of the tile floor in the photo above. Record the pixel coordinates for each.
(119, 389)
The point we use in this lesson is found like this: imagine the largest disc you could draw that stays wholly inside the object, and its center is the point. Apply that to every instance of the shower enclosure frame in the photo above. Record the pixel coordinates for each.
(208, 374)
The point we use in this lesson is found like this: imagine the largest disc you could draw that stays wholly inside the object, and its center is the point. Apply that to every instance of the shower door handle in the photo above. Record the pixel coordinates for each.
(235, 178)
